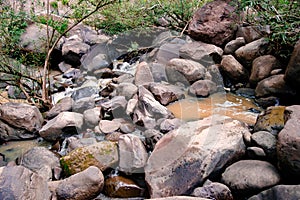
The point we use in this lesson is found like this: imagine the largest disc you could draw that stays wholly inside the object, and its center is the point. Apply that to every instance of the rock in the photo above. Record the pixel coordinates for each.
(187, 156)
(98, 62)
(279, 192)
(250, 176)
(271, 120)
(191, 70)
(18, 182)
(133, 155)
(143, 74)
(234, 69)
(22, 116)
(152, 136)
(41, 161)
(288, 144)
(292, 72)
(233, 45)
(83, 104)
(170, 124)
(77, 47)
(81, 186)
(253, 50)
(203, 88)
(75, 143)
(89, 91)
(113, 137)
(63, 67)
(256, 153)
(127, 90)
(117, 106)
(166, 93)
(64, 124)
(107, 126)
(8, 133)
(262, 68)
(159, 72)
(273, 85)
(214, 190)
(250, 33)
(266, 141)
(180, 198)
(127, 126)
(169, 51)
(92, 116)
(65, 104)
(206, 54)
(214, 23)
(266, 102)
(103, 155)
(121, 187)
(72, 73)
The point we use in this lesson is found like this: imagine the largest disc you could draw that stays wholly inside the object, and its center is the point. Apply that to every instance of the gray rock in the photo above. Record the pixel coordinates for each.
(75, 143)
(250, 176)
(279, 192)
(127, 90)
(206, 54)
(65, 104)
(256, 153)
(64, 124)
(83, 104)
(266, 141)
(203, 88)
(170, 124)
(63, 67)
(233, 45)
(89, 91)
(8, 133)
(76, 47)
(214, 190)
(234, 69)
(214, 23)
(92, 116)
(166, 93)
(98, 62)
(18, 182)
(158, 72)
(143, 74)
(180, 198)
(72, 73)
(107, 126)
(81, 186)
(133, 154)
(117, 106)
(187, 156)
(169, 51)
(292, 72)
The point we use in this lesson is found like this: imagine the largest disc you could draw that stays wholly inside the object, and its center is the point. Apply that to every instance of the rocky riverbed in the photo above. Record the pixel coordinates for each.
(152, 114)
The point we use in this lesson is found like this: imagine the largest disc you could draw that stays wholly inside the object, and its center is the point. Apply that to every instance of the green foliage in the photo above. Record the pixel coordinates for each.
(283, 18)
(59, 26)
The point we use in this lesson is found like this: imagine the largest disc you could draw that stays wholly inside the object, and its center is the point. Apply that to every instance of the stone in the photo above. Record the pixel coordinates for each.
(159, 72)
(213, 190)
(83, 104)
(127, 90)
(72, 73)
(233, 69)
(143, 74)
(266, 141)
(203, 88)
(191, 70)
(18, 182)
(205, 54)
(180, 198)
(121, 187)
(250, 33)
(279, 192)
(77, 47)
(75, 143)
(288, 144)
(266, 102)
(233, 45)
(41, 161)
(293, 69)
(63, 67)
(91, 117)
(214, 23)
(253, 50)
(187, 156)
(250, 176)
(113, 137)
(133, 154)
(170, 124)
(256, 153)
(107, 126)
(152, 136)
(89, 91)
(61, 126)
(274, 86)
(271, 120)
(166, 93)
(8, 133)
(103, 155)
(169, 51)
(98, 62)
(262, 68)
(81, 186)
(117, 106)
(65, 104)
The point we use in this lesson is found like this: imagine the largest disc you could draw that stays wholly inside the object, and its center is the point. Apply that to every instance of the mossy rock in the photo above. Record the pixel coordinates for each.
(102, 155)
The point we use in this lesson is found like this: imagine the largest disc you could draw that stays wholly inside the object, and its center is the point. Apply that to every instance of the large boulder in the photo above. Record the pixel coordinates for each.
(65, 104)
(18, 182)
(214, 23)
(8, 133)
(143, 74)
(187, 156)
(292, 72)
(279, 192)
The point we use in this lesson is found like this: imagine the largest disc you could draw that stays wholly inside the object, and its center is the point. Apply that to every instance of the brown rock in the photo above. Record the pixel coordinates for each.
(234, 69)
(213, 190)
(62, 105)
(292, 72)
(143, 74)
(203, 88)
(166, 93)
(107, 126)
(233, 45)
(279, 192)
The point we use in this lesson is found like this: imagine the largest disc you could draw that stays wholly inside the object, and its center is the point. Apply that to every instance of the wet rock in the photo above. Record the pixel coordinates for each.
(107, 126)
(133, 154)
(206, 54)
(214, 23)
(81, 186)
(83, 104)
(65, 104)
(250, 176)
(127, 90)
(234, 69)
(246, 92)
(253, 50)
(273, 86)
(170, 124)
(22, 116)
(203, 88)
(18, 182)
(42, 161)
(92, 116)
(213, 190)
(271, 120)
(143, 74)
(288, 144)
(166, 93)
(266, 102)
(233, 45)
(64, 124)
(103, 155)
(121, 187)
(266, 141)
(191, 70)
(187, 156)
(83, 92)
(262, 68)
(279, 192)
(292, 72)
